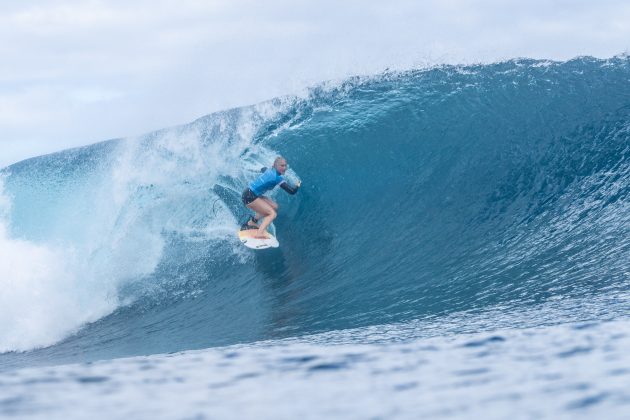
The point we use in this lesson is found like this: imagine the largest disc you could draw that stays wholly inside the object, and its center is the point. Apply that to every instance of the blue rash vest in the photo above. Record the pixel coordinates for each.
(265, 182)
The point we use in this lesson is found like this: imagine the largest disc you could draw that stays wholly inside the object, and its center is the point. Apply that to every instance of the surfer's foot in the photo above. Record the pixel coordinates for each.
(261, 235)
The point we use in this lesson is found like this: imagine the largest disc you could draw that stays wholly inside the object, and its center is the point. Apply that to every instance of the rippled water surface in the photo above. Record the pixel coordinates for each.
(460, 248)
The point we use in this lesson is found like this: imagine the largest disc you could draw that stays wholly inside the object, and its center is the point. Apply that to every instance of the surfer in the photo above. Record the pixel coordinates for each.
(265, 207)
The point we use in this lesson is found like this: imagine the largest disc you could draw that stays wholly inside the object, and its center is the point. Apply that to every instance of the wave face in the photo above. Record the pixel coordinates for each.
(425, 193)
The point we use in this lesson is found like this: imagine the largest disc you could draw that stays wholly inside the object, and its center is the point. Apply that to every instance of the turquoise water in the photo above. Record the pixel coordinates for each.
(458, 199)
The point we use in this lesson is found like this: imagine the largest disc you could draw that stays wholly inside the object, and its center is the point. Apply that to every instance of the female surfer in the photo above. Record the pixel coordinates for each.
(265, 207)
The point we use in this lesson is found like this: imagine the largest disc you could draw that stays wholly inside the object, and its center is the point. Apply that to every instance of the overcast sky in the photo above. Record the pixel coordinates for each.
(76, 72)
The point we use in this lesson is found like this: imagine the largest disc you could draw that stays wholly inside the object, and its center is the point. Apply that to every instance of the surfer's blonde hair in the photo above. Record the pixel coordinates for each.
(277, 160)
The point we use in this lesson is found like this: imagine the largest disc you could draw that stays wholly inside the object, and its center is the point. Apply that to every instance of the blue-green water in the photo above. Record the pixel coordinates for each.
(453, 191)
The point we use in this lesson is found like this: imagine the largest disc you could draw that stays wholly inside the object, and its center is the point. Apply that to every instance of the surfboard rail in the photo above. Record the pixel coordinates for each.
(248, 238)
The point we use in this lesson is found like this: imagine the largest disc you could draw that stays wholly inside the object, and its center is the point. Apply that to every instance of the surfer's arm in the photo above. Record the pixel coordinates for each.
(291, 189)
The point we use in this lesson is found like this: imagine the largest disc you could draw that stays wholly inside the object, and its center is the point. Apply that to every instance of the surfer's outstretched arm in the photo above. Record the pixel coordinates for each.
(291, 189)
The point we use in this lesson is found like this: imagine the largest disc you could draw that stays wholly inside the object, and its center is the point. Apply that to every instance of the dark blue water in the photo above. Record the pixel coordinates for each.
(425, 193)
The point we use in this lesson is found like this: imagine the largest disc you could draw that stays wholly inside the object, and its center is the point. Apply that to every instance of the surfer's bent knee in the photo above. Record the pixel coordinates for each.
(272, 203)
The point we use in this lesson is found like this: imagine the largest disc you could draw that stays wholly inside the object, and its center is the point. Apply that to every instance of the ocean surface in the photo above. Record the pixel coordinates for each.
(460, 248)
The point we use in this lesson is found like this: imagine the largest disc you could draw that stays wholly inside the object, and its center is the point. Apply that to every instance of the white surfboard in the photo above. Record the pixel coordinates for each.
(248, 239)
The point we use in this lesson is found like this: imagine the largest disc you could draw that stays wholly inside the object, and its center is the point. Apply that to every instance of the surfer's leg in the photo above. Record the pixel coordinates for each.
(256, 218)
(272, 203)
(263, 208)
(249, 197)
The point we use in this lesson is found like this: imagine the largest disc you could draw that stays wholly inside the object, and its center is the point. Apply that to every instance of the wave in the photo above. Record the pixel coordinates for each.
(426, 192)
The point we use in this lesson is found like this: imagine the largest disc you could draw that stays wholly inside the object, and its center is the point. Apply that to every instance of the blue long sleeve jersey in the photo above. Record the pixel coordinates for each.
(268, 181)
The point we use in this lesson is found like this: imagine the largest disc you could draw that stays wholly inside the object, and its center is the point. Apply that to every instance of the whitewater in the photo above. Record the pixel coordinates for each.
(460, 247)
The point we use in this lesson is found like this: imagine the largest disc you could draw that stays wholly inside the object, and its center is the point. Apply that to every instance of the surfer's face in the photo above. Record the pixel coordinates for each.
(281, 166)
